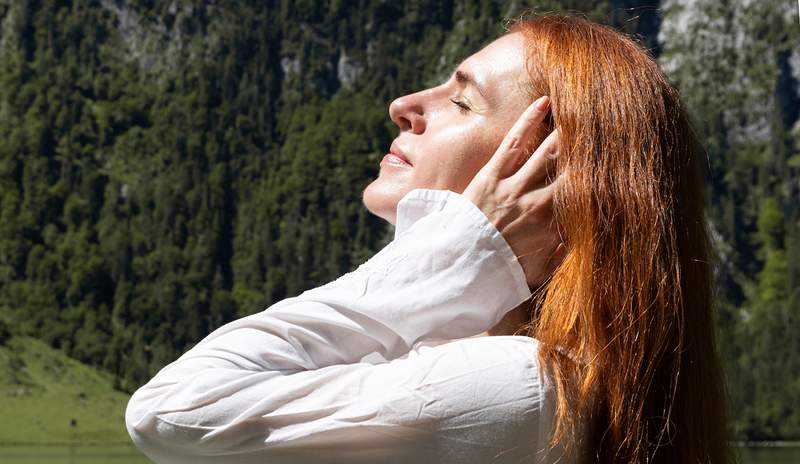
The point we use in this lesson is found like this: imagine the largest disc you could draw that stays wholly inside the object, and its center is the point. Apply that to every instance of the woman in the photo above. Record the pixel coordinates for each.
(603, 268)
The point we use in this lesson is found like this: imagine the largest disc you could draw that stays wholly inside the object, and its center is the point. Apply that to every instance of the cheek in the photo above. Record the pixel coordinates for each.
(453, 151)
(472, 155)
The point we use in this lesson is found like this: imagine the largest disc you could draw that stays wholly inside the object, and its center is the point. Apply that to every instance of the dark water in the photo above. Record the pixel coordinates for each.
(130, 455)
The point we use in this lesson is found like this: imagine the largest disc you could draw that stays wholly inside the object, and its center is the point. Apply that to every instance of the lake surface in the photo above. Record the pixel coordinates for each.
(130, 455)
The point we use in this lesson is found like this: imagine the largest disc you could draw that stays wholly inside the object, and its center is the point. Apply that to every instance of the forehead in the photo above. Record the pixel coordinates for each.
(499, 66)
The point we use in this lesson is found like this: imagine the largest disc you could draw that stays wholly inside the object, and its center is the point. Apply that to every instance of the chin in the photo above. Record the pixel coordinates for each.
(381, 200)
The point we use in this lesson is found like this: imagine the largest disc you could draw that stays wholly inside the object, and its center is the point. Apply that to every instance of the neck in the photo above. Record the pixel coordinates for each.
(513, 320)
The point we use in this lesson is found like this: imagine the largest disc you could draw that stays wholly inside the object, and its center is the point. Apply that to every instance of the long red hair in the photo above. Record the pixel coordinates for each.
(631, 301)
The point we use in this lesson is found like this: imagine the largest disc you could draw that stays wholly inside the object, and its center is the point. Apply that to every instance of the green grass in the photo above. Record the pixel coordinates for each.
(120, 454)
(50, 399)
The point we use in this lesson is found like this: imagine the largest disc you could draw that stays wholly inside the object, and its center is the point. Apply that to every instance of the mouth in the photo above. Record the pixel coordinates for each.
(396, 156)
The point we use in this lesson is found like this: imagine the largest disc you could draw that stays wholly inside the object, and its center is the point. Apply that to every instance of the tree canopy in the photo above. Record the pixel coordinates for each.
(166, 167)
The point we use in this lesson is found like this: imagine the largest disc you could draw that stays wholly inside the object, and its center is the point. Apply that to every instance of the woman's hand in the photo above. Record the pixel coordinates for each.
(517, 195)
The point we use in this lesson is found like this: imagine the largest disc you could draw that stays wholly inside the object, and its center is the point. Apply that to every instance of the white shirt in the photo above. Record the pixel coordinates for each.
(373, 367)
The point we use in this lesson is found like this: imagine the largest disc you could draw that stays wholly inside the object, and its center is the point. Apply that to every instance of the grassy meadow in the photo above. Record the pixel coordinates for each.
(54, 399)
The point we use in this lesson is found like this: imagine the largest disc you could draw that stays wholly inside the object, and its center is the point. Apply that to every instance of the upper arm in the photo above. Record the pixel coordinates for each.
(290, 381)
(477, 398)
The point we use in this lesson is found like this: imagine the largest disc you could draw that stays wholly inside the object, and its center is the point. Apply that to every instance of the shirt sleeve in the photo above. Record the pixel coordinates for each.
(335, 370)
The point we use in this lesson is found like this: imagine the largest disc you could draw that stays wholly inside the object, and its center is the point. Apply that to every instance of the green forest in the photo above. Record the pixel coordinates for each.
(169, 166)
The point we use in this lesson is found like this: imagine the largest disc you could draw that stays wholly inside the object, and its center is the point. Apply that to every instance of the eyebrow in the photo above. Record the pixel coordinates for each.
(465, 78)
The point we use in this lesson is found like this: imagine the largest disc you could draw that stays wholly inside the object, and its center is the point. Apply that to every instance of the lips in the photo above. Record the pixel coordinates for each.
(398, 152)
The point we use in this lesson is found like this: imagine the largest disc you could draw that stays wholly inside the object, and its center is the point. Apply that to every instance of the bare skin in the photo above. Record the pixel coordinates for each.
(512, 321)
(467, 136)
(516, 194)
(448, 132)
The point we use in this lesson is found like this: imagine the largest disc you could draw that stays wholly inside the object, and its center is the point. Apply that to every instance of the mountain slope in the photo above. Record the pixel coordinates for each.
(55, 399)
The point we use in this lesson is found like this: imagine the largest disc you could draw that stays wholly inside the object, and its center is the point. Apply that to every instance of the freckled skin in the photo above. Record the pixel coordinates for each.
(446, 144)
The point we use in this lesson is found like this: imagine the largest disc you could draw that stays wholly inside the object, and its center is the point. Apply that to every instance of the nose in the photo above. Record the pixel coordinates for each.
(408, 113)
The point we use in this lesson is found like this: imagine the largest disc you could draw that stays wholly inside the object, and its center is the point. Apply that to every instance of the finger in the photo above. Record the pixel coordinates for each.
(540, 199)
(540, 168)
(508, 155)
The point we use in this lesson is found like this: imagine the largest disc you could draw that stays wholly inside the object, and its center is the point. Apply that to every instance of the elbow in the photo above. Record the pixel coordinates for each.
(133, 414)
(136, 418)
(160, 440)
(168, 428)
(194, 417)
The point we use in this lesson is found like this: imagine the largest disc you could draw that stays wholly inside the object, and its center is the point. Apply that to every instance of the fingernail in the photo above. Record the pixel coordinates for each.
(542, 103)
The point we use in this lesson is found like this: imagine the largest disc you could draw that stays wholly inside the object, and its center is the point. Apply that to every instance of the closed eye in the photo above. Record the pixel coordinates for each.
(462, 107)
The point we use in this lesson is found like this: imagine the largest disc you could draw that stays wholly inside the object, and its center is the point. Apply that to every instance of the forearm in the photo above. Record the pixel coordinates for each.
(449, 275)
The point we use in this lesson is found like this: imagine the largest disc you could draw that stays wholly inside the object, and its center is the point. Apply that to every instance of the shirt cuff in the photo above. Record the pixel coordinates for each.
(419, 203)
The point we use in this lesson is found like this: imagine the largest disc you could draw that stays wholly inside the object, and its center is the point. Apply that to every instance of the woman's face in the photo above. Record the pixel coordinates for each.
(448, 132)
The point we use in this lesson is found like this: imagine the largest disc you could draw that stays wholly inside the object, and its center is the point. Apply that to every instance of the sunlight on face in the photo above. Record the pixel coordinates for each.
(448, 132)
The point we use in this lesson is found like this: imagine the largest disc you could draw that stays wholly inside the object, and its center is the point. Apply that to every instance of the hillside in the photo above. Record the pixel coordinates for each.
(54, 399)
(167, 167)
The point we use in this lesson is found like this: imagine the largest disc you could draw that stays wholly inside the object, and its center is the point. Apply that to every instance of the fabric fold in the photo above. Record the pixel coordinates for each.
(342, 356)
